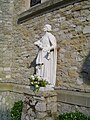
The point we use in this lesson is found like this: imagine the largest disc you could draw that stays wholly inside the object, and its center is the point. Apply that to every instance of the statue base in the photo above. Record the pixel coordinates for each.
(48, 87)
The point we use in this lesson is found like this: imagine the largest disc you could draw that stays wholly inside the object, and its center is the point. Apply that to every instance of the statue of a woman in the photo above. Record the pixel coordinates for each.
(47, 56)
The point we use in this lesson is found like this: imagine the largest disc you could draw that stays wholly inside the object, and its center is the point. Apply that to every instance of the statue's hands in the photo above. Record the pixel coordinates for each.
(38, 44)
(48, 51)
(35, 43)
(51, 48)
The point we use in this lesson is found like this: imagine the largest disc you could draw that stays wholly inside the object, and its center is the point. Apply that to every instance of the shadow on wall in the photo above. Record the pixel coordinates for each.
(85, 73)
(33, 64)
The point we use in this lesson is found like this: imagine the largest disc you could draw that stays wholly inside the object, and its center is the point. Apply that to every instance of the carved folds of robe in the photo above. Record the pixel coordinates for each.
(46, 58)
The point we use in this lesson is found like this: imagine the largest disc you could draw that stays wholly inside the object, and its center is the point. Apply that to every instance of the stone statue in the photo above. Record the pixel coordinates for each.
(47, 56)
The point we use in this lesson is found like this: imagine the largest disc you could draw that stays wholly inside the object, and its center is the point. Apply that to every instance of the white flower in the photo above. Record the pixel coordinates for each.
(39, 78)
(32, 77)
(35, 75)
(37, 86)
(35, 82)
(32, 83)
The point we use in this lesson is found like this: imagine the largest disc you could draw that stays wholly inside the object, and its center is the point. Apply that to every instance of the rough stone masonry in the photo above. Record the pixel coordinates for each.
(71, 27)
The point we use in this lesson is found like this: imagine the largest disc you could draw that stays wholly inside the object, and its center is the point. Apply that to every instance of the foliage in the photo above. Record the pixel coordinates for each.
(73, 116)
(16, 110)
(37, 82)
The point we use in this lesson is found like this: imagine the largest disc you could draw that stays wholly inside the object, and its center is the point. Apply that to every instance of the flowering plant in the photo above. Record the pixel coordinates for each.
(37, 82)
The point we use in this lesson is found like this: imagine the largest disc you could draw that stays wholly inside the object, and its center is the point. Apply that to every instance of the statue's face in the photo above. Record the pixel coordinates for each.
(47, 27)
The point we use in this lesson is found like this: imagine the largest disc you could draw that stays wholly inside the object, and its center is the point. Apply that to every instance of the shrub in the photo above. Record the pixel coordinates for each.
(73, 116)
(16, 110)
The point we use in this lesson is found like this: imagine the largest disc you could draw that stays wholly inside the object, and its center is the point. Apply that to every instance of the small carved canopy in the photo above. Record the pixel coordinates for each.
(34, 2)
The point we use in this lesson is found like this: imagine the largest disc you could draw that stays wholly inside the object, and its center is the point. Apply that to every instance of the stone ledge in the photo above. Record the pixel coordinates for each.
(24, 89)
(71, 97)
(13, 87)
(42, 8)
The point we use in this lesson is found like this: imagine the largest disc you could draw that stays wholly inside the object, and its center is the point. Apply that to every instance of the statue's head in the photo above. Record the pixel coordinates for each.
(47, 27)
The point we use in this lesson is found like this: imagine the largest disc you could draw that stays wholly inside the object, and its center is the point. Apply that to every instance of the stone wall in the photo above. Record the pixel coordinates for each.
(40, 106)
(6, 11)
(10, 93)
(69, 101)
(65, 107)
(7, 100)
(43, 104)
(71, 27)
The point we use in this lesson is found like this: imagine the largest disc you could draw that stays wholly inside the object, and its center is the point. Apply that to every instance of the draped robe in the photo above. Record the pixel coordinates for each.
(47, 58)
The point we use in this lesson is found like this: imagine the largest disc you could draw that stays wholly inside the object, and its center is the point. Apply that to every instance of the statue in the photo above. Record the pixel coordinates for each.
(47, 56)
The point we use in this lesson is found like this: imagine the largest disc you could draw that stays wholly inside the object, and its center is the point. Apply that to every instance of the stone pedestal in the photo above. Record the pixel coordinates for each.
(40, 106)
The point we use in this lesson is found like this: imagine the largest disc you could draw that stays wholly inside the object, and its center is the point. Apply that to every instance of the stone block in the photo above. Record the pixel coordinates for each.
(52, 107)
(41, 115)
(51, 99)
(40, 98)
(48, 118)
(75, 98)
(88, 18)
(86, 29)
(72, 72)
(32, 113)
(31, 118)
(88, 102)
(1, 69)
(27, 118)
(8, 76)
(61, 97)
(41, 106)
(7, 69)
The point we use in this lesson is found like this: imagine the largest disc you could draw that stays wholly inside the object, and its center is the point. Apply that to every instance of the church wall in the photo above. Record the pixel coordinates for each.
(70, 101)
(6, 11)
(71, 27)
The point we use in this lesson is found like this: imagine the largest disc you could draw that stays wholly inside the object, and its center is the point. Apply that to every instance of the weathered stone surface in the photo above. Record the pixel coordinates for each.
(68, 25)
(51, 99)
(27, 118)
(48, 118)
(41, 115)
(88, 17)
(41, 109)
(79, 81)
(72, 72)
(86, 29)
(63, 108)
(17, 52)
(41, 106)
(7, 100)
(78, 102)
(52, 106)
